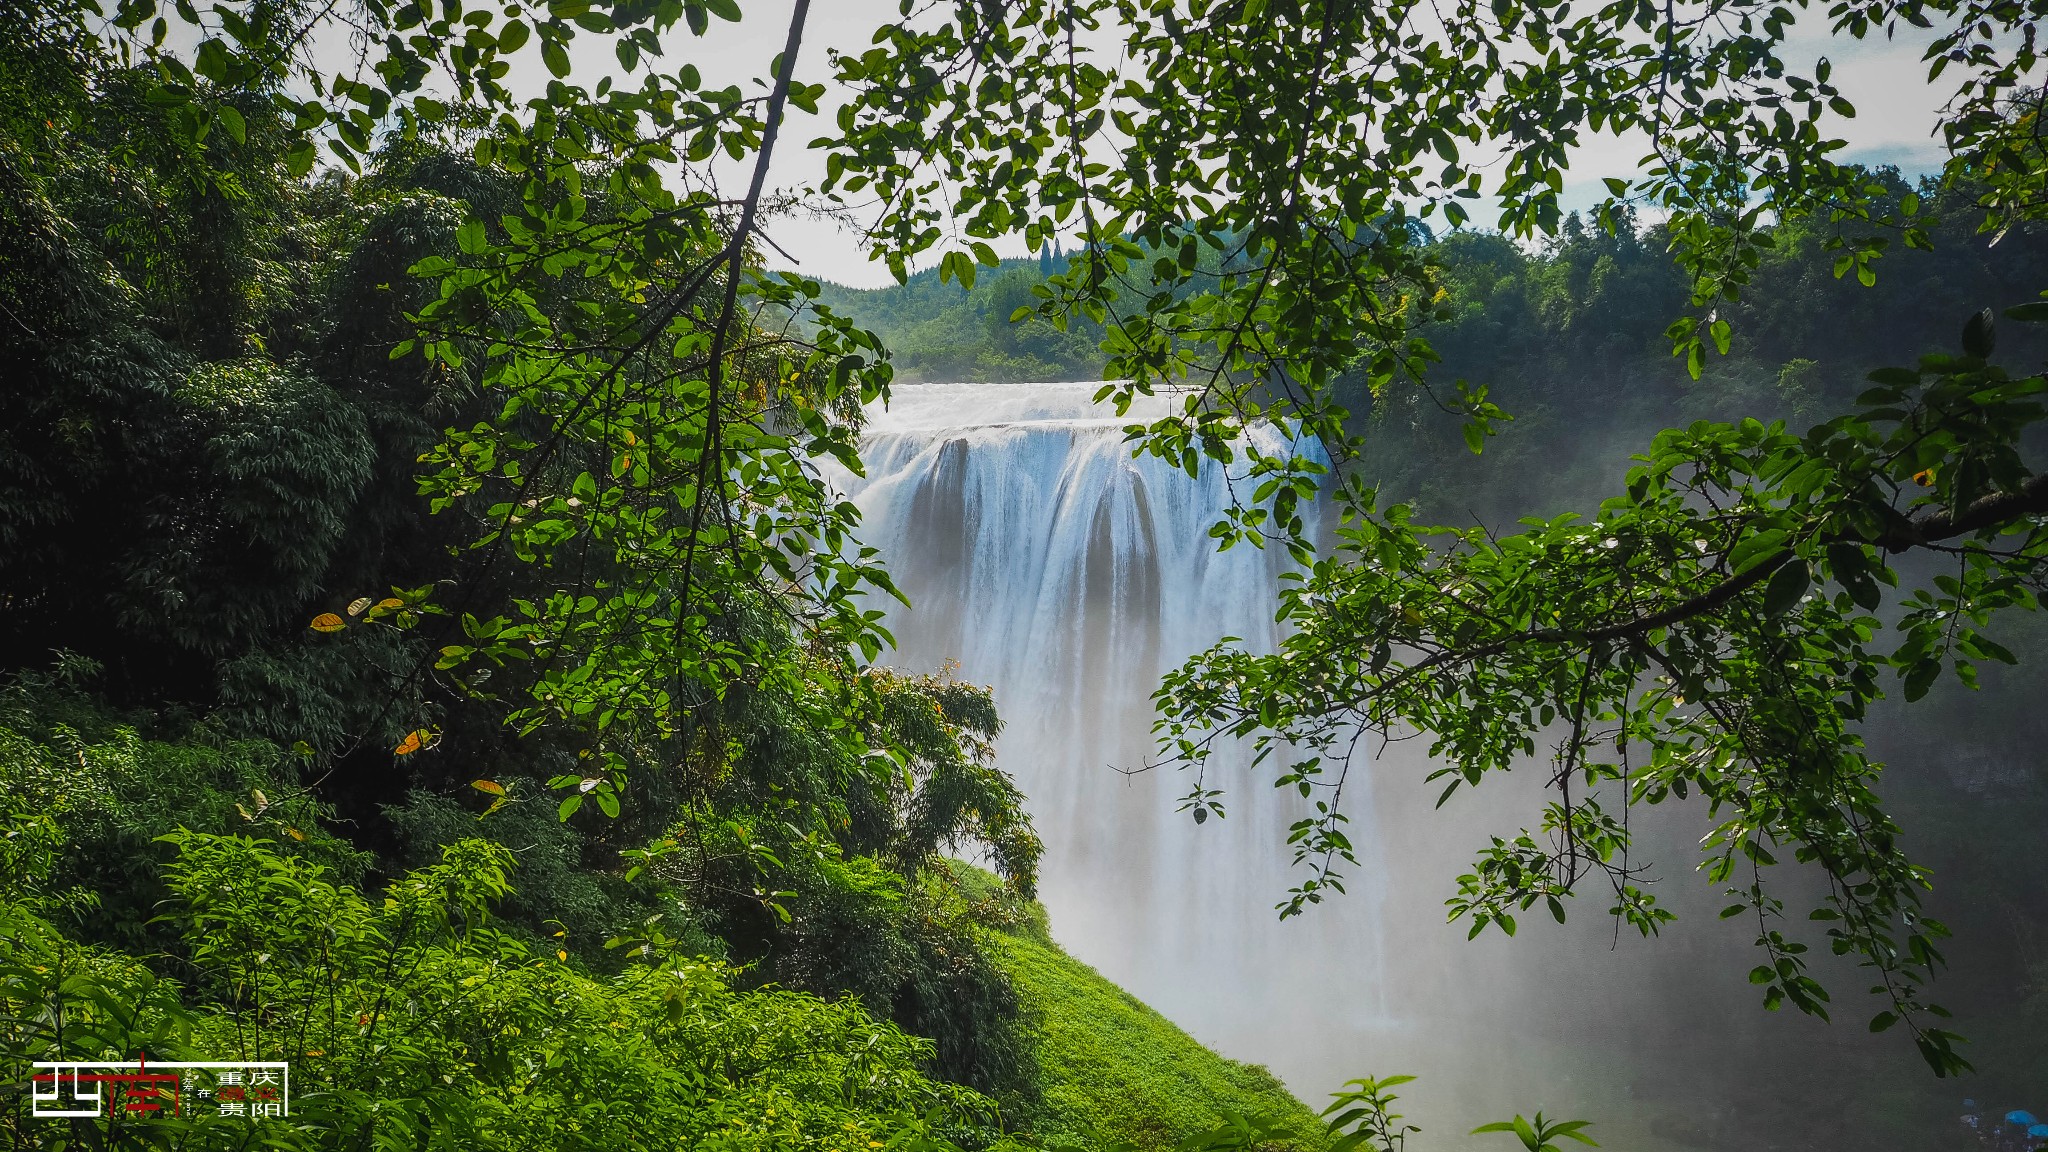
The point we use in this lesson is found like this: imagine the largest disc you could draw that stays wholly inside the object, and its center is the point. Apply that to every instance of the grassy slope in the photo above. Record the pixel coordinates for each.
(1114, 1070)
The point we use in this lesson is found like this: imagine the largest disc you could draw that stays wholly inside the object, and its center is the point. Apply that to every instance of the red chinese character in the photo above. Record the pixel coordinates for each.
(147, 1091)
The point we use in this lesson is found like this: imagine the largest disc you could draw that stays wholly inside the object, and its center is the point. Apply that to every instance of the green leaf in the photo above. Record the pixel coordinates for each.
(212, 61)
(555, 57)
(1980, 335)
(1921, 676)
(1570, 1130)
(1756, 549)
(1786, 586)
(232, 123)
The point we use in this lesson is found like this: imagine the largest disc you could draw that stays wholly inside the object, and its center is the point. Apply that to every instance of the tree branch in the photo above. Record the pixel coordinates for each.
(2031, 499)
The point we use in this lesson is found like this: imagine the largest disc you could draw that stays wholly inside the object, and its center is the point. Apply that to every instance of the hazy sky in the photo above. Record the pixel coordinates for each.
(1895, 111)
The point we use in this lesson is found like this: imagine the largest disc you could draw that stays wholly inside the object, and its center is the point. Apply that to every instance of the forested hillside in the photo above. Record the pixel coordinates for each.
(943, 330)
(246, 813)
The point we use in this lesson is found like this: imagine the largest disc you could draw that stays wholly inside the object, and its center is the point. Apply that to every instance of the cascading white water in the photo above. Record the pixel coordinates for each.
(1052, 565)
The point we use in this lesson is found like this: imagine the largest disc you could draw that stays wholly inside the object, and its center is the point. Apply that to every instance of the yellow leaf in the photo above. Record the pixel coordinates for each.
(562, 955)
(262, 801)
(1924, 478)
(295, 834)
(413, 742)
(491, 786)
(328, 622)
(388, 603)
(356, 607)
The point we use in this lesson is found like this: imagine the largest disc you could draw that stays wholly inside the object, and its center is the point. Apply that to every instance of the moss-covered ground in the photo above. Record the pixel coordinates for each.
(1109, 1069)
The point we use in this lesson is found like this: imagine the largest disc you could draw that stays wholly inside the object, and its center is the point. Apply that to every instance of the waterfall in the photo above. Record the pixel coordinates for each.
(1044, 560)
(1041, 558)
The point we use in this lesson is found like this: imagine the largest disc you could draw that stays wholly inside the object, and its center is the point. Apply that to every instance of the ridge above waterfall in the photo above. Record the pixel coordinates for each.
(914, 407)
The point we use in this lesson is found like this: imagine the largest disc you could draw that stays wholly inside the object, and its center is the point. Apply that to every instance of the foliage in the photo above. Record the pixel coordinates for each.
(1365, 1107)
(421, 1021)
(1688, 630)
(418, 1024)
(1484, 642)
(1292, 137)
(1246, 180)
(1361, 1115)
(108, 793)
(843, 923)
(641, 412)
(1540, 1135)
(187, 475)
(181, 502)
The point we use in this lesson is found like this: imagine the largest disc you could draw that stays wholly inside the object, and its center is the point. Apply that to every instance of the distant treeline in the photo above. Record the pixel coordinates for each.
(942, 331)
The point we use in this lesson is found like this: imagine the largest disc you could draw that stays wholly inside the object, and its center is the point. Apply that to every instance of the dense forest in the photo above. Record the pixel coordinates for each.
(430, 653)
(212, 846)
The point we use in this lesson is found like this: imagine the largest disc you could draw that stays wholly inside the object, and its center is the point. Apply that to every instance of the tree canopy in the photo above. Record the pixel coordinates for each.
(1241, 184)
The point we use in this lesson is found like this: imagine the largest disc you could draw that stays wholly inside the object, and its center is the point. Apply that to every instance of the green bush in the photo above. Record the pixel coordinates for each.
(114, 791)
(413, 1023)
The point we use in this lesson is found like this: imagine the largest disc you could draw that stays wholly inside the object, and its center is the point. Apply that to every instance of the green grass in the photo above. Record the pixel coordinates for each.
(1110, 1069)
